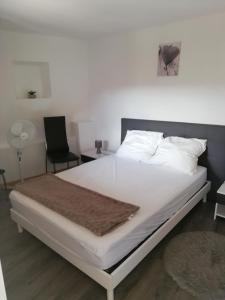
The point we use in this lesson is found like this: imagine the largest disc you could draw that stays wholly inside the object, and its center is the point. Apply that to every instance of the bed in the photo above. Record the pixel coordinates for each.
(163, 196)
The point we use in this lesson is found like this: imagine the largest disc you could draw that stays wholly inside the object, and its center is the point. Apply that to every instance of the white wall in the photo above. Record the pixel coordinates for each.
(68, 64)
(124, 82)
(114, 77)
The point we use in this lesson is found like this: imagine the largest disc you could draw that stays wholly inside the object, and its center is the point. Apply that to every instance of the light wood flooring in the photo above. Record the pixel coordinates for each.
(33, 271)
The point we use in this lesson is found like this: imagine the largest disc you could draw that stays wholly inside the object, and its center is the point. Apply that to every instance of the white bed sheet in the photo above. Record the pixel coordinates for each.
(159, 191)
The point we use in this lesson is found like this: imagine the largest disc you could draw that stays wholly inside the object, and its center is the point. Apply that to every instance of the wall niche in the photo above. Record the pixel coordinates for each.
(32, 80)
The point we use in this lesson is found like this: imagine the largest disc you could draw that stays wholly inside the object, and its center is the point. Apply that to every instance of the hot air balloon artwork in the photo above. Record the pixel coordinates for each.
(169, 57)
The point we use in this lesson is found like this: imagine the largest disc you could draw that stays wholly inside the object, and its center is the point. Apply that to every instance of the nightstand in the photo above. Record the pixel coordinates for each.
(91, 154)
(220, 202)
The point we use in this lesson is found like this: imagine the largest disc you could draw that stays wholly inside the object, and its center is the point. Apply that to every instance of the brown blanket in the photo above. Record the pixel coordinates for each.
(98, 213)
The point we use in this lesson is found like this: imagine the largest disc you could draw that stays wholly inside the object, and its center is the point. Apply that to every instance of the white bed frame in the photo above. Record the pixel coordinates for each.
(110, 281)
(2, 285)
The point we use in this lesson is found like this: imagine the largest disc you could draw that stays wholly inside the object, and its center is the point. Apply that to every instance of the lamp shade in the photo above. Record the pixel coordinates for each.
(98, 145)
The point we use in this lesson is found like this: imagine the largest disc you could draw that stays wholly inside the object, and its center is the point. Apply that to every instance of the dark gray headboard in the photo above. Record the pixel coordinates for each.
(214, 157)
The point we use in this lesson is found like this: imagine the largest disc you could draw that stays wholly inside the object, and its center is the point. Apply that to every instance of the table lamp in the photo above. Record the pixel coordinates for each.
(98, 146)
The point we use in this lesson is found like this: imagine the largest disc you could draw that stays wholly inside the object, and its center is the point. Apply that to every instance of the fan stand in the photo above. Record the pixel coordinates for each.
(19, 158)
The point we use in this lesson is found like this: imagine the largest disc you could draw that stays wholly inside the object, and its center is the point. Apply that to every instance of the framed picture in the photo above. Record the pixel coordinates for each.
(168, 59)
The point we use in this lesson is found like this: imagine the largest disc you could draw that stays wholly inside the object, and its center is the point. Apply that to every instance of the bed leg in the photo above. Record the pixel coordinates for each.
(205, 198)
(110, 294)
(20, 228)
(215, 213)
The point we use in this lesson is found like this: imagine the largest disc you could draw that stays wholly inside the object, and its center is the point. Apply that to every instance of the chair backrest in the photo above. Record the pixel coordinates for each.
(55, 134)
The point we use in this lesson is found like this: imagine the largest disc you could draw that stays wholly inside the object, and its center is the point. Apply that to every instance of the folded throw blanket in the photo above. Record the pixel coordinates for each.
(98, 213)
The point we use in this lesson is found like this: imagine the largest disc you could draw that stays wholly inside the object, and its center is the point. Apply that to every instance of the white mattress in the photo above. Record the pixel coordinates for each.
(159, 192)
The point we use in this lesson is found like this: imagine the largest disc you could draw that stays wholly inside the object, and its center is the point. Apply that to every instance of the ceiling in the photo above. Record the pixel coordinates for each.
(90, 18)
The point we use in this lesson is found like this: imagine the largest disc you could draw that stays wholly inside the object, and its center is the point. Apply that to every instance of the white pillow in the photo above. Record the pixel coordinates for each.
(179, 153)
(139, 145)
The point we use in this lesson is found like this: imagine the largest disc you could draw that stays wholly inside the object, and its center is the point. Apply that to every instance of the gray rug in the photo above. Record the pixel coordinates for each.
(196, 261)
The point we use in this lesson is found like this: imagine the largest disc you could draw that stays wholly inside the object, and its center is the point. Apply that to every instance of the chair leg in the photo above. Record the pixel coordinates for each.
(54, 169)
(46, 163)
(4, 181)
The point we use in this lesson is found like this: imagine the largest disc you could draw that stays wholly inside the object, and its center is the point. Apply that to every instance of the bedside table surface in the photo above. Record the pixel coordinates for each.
(92, 153)
(221, 190)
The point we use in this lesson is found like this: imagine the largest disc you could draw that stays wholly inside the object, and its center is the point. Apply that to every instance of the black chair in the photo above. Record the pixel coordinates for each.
(2, 172)
(57, 149)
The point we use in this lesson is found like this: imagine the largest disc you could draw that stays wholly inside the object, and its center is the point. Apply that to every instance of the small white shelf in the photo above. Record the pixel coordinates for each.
(219, 211)
(34, 76)
(220, 207)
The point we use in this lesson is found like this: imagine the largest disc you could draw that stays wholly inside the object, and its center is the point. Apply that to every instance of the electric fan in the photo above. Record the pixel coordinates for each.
(20, 135)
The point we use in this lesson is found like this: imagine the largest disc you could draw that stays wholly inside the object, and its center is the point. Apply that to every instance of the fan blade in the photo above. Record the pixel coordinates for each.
(21, 133)
(17, 143)
(16, 129)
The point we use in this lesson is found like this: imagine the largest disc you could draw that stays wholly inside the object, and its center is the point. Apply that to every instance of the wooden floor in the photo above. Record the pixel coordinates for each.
(33, 271)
